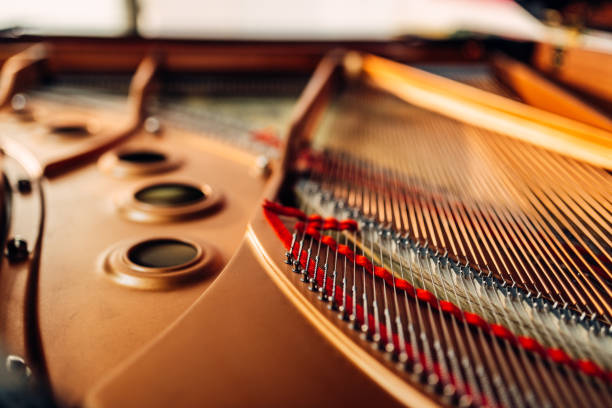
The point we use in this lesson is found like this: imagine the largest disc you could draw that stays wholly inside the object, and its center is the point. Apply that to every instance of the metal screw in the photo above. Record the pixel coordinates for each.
(19, 102)
(24, 186)
(152, 125)
(262, 166)
(17, 366)
(17, 250)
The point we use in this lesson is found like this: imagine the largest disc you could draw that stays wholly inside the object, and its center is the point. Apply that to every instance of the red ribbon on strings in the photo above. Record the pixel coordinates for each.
(271, 212)
(346, 251)
(329, 241)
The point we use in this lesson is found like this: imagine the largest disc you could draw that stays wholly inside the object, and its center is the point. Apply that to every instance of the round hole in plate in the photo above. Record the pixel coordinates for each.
(170, 194)
(167, 200)
(159, 262)
(138, 160)
(142, 156)
(162, 253)
(70, 129)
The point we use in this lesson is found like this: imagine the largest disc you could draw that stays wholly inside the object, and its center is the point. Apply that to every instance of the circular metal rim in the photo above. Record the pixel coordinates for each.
(206, 190)
(135, 210)
(117, 266)
(146, 269)
(111, 163)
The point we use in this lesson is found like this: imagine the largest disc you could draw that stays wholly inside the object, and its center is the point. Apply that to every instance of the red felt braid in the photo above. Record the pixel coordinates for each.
(271, 212)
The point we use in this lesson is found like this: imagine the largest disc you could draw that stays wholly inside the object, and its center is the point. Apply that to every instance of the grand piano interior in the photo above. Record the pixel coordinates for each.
(279, 205)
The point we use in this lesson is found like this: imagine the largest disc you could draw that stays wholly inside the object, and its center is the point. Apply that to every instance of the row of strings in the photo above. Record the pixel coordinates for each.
(531, 218)
(463, 363)
(528, 218)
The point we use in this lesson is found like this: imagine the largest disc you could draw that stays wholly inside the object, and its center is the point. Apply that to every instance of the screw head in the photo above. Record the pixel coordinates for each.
(152, 125)
(24, 186)
(262, 166)
(19, 102)
(17, 250)
(17, 366)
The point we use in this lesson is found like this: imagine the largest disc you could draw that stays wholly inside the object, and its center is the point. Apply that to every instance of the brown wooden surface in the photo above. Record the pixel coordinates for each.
(240, 338)
(537, 91)
(70, 54)
(88, 323)
(586, 70)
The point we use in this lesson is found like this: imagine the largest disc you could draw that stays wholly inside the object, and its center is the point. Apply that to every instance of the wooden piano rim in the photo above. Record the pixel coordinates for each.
(383, 376)
(306, 113)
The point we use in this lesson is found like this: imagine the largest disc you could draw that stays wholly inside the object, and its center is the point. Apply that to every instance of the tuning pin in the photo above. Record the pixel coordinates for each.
(465, 401)
(326, 196)
(355, 322)
(297, 267)
(416, 370)
(374, 337)
(448, 391)
(313, 281)
(289, 254)
(323, 288)
(432, 380)
(344, 315)
(305, 277)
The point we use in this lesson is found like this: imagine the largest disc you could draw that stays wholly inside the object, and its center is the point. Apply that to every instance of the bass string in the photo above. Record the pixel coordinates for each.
(482, 370)
(503, 229)
(422, 218)
(430, 210)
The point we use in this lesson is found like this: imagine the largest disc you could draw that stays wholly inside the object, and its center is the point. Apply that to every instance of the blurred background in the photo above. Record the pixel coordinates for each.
(313, 19)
